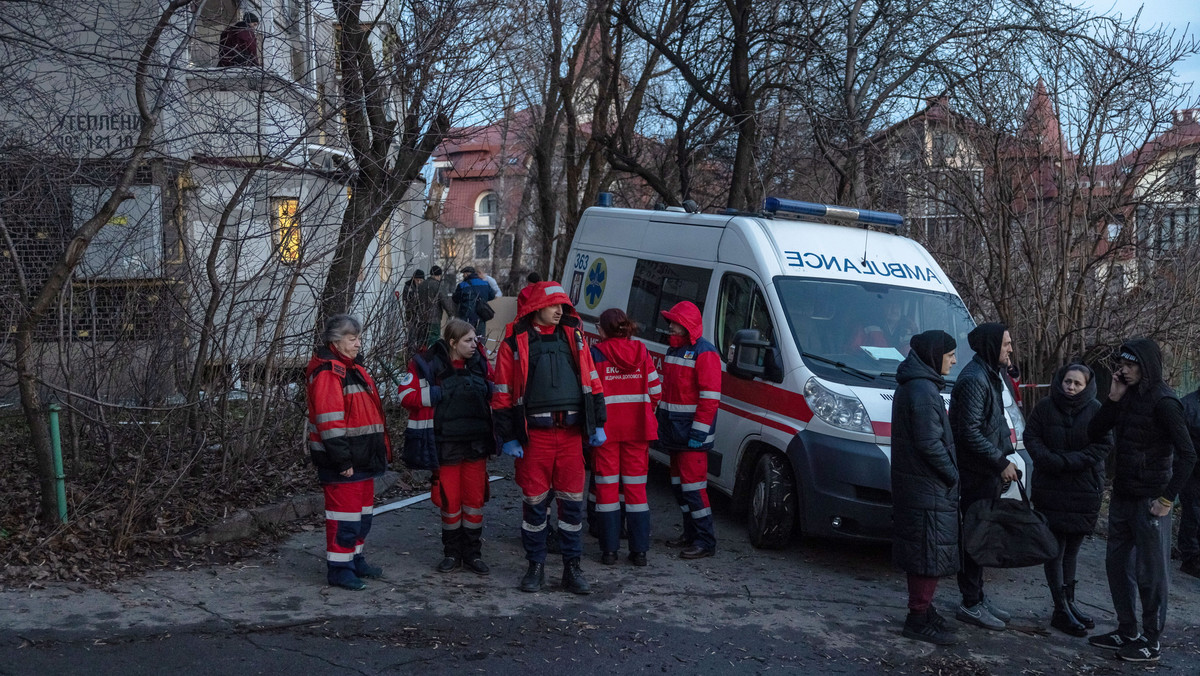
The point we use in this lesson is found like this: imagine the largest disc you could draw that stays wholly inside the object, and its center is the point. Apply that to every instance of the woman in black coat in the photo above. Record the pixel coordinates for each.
(1068, 480)
(924, 483)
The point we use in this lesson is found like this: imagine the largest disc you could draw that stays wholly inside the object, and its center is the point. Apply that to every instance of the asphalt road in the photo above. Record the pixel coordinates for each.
(818, 607)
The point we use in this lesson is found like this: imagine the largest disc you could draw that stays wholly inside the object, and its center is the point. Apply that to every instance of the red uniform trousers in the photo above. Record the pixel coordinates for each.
(553, 459)
(348, 509)
(619, 470)
(459, 492)
(689, 481)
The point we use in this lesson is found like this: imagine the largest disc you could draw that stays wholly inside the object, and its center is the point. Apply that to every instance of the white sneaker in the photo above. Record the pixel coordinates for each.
(979, 616)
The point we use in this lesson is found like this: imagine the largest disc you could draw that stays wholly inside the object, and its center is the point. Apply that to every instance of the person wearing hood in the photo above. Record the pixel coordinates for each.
(982, 443)
(1153, 458)
(1189, 497)
(620, 465)
(348, 442)
(924, 483)
(1069, 482)
(687, 420)
(447, 392)
(548, 399)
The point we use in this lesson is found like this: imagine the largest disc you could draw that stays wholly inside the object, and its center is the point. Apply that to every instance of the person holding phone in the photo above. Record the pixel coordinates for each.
(1154, 457)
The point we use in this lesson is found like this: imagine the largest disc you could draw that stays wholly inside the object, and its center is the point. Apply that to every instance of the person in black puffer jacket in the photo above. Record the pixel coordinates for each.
(1068, 483)
(924, 482)
(1154, 457)
(982, 443)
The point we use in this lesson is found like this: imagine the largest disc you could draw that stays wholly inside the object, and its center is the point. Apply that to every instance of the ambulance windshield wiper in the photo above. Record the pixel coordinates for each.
(845, 367)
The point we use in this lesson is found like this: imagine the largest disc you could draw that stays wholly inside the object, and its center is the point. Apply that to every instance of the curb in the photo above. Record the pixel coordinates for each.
(245, 523)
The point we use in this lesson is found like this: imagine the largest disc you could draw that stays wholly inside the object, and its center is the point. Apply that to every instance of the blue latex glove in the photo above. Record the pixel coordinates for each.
(513, 448)
(435, 394)
(598, 437)
(695, 443)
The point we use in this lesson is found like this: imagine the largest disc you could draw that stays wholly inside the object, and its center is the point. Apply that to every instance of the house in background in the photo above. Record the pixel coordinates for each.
(242, 197)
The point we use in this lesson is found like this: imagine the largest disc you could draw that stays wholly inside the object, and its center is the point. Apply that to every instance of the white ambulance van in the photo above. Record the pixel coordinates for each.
(812, 320)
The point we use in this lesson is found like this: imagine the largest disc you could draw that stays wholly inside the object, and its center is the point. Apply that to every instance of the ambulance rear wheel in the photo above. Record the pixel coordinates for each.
(772, 513)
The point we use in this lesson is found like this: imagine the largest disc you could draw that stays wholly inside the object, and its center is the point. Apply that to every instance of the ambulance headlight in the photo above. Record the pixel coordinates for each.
(839, 410)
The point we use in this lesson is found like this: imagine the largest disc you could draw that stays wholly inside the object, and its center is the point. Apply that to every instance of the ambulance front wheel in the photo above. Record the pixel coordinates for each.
(772, 513)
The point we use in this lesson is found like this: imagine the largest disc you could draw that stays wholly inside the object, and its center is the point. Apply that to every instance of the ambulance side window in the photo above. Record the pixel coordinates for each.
(658, 286)
(741, 305)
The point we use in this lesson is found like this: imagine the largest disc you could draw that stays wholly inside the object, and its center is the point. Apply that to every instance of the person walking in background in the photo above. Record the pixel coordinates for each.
(548, 399)
(687, 419)
(416, 326)
(982, 444)
(238, 44)
(1189, 497)
(1153, 458)
(472, 291)
(491, 282)
(448, 388)
(1068, 482)
(924, 483)
(620, 465)
(349, 444)
(434, 298)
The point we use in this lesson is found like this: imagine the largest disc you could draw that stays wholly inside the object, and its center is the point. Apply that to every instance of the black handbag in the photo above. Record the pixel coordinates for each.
(483, 310)
(1003, 533)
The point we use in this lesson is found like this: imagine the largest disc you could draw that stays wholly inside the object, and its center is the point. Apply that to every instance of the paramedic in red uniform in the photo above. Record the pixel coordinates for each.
(548, 399)
(349, 445)
(687, 416)
(631, 391)
(447, 392)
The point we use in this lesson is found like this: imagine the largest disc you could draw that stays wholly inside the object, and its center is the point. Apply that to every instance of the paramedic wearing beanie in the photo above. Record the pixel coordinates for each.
(924, 483)
(619, 466)
(348, 443)
(1153, 457)
(982, 442)
(687, 417)
(548, 399)
(447, 392)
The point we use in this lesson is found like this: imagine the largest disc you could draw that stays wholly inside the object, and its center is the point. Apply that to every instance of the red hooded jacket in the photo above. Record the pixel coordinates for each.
(346, 425)
(512, 364)
(631, 389)
(691, 383)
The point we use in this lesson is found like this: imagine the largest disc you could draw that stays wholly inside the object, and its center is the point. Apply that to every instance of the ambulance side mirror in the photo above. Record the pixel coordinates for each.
(751, 357)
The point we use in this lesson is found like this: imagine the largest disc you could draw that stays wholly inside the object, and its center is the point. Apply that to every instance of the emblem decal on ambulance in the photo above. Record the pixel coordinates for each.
(593, 291)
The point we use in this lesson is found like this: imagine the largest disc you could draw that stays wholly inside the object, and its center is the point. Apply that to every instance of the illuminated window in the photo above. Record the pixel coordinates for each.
(285, 228)
(385, 251)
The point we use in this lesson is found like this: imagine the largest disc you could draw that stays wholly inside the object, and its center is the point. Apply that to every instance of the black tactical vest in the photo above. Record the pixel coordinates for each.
(553, 383)
(463, 414)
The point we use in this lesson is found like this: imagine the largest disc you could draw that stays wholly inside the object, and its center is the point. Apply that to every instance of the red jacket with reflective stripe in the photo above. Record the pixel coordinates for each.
(691, 382)
(512, 364)
(631, 389)
(346, 426)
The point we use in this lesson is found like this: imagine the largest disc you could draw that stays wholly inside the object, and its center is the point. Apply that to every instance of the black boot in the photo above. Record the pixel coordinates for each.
(573, 580)
(534, 578)
(920, 627)
(1062, 619)
(1069, 590)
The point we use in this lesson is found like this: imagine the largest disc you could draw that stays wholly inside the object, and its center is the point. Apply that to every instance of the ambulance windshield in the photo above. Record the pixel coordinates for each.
(853, 333)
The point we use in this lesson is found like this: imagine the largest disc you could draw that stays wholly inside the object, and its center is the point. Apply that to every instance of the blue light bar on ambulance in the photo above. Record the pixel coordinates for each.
(775, 205)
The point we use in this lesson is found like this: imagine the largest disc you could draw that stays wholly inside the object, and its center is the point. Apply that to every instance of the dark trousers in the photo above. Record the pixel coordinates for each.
(973, 487)
(1061, 569)
(1189, 518)
(1139, 546)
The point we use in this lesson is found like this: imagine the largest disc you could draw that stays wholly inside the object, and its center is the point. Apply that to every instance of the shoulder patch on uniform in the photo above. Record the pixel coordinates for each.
(406, 380)
(339, 369)
(689, 355)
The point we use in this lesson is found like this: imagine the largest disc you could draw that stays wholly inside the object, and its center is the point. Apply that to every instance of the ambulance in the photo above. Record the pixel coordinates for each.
(811, 319)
